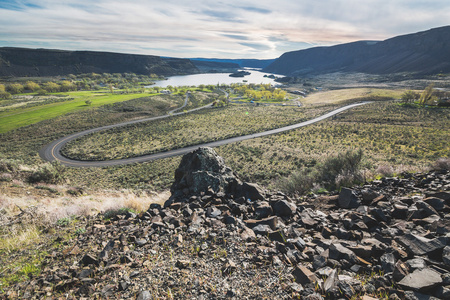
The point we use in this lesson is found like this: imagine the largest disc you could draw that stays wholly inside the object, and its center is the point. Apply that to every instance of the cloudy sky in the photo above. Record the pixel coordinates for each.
(201, 28)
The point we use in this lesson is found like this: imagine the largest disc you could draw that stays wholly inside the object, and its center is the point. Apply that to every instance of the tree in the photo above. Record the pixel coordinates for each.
(32, 86)
(51, 87)
(427, 96)
(410, 96)
(14, 88)
(67, 86)
(3, 93)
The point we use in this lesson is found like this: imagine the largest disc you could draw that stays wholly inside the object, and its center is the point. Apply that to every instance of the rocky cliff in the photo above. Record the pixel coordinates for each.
(43, 62)
(424, 52)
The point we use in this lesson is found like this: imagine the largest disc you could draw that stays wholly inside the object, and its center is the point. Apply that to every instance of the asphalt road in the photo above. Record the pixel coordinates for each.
(52, 151)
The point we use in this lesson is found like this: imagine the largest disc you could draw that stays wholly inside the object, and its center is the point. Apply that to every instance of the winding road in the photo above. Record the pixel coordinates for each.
(52, 151)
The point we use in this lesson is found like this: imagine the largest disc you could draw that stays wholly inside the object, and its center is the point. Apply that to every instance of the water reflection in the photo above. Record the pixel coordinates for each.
(216, 78)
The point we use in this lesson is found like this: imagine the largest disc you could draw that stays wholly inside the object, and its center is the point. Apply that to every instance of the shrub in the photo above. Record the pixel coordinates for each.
(48, 173)
(111, 213)
(300, 182)
(5, 95)
(442, 164)
(9, 166)
(341, 170)
(344, 169)
(385, 170)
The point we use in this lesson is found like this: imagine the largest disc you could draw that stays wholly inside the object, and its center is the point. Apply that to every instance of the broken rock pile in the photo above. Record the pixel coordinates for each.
(219, 237)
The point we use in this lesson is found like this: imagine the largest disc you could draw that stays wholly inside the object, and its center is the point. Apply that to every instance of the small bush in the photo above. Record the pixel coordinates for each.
(385, 170)
(6, 177)
(442, 164)
(9, 166)
(48, 173)
(343, 169)
(300, 182)
(111, 213)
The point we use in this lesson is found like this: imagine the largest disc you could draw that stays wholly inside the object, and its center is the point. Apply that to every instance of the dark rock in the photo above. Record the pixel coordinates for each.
(421, 279)
(425, 210)
(338, 252)
(298, 242)
(306, 218)
(88, 260)
(108, 290)
(417, 245)
(412, 295)
(263, 210)
(437, 203)
(303, 276)
(348, 199)
(388, 262)
(250, 191)
(416, 264)
(85, 273)
(368, 195)
(446, 256)
(284, 208)
(400, 271)
(104, 254)
(262, 229)
(276, 236)
(200, 171)
(228, 267)
(319, 262)
(346, 289)
(182, 264)
(331, 281)
(271, 221)
(441, 195)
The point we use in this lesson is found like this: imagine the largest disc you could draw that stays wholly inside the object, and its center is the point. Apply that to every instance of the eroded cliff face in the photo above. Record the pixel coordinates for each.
(43, 62)
(422, 53)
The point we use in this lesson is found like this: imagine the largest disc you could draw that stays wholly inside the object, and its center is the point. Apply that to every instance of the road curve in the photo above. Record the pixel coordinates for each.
(52, 151)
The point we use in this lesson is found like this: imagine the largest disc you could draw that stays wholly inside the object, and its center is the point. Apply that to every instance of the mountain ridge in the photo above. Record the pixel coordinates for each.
(424, 52)
(48, 62)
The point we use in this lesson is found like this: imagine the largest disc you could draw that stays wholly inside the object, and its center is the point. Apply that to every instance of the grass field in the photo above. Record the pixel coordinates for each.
(19, 117)
(358, 94)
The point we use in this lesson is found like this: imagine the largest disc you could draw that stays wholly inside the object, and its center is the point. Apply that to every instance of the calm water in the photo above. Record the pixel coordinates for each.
(215, 78)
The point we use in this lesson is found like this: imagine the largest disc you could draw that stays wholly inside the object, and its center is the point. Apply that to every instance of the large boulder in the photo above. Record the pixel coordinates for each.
(200, 171)
(203, 171)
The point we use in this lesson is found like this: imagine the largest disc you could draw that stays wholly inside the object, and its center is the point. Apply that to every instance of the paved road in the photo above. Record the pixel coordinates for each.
(51, 152)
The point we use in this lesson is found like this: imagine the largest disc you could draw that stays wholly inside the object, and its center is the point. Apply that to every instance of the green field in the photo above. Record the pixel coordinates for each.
(19, 117)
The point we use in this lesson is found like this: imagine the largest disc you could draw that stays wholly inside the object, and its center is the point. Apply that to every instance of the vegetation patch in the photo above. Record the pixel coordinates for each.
(185, 130)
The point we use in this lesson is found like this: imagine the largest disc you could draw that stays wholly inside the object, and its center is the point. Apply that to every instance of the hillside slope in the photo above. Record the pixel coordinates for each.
(426, 52)
(44, 62)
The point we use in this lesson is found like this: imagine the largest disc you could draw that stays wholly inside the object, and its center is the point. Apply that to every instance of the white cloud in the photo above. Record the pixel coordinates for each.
(244, 28)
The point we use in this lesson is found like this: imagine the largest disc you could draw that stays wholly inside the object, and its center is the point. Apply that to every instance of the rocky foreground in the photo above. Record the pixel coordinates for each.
(217, 237)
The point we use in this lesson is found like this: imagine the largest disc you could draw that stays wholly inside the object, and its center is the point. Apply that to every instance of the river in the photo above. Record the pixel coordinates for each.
(215, 78)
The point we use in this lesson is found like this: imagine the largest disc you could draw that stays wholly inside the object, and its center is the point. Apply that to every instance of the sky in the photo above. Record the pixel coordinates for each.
(212, 29)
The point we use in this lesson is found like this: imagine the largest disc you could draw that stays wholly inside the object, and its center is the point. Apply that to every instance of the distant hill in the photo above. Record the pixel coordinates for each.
(215, 66)
(44, 62)
(242, 63)
(426, 52)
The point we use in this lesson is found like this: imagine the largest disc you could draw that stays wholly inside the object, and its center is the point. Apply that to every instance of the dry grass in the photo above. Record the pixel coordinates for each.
(338, 96)
(50, 203)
